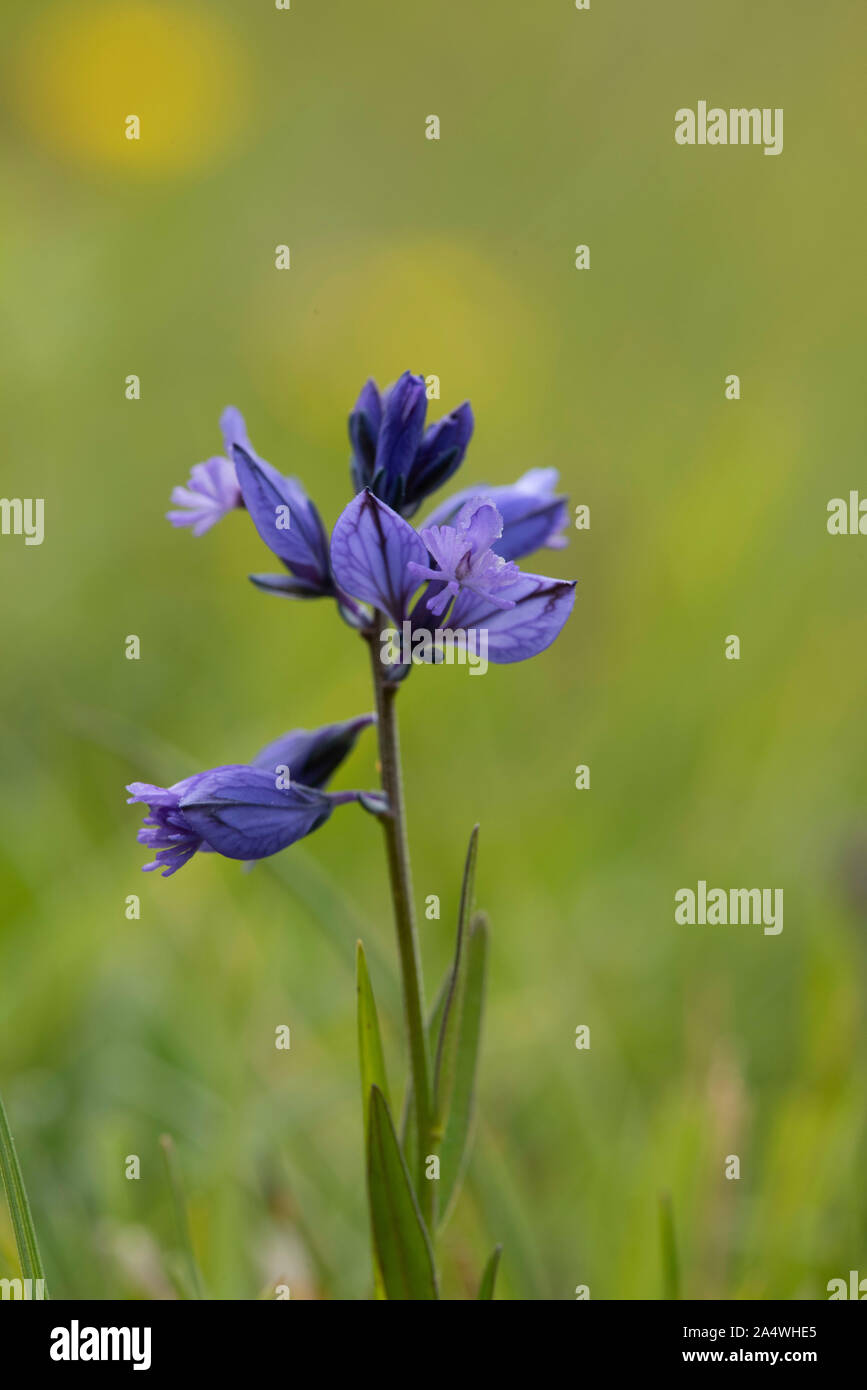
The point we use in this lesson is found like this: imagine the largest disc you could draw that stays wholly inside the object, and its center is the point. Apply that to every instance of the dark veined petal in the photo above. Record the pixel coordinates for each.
(285, 518)
(243, 814)
(533, 530)
(286, 584)
(541, 607)
(440, 455)
(313, 756)
(532, 511)
(400, 434)
(364, 426)
(371, 550)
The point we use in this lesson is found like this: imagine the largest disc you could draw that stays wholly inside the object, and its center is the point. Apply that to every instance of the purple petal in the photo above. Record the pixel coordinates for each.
(481, 523)
(364, 426)
(464, 556)
(541, 607)
(312, 757)
(234, 430)
(404, 410)
(533, 514)
(243, 814)
(165, 829)
(212, 491)
(286, 585)
(441, 453)
(371, 550)
(285, 518)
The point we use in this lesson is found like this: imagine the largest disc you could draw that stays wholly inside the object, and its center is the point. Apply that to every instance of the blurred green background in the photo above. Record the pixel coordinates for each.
(455, 258)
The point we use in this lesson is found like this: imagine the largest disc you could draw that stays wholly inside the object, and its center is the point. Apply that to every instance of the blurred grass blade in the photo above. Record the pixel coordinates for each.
(19, 1207)
(454, 1147)
(489, 1277)
(503, 1205)
(449, 1033)
(337, 914)
(401, 1240)
(372, 1063)
(670, 1268)
(181, 1216)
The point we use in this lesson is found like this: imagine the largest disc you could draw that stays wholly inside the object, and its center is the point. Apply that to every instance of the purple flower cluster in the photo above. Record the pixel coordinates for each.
(457, 572)
(460, 565)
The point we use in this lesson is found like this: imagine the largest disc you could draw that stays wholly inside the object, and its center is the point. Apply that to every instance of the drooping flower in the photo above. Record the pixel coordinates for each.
(250, 811)
(393, 454)
(378, 557)
(532, 512)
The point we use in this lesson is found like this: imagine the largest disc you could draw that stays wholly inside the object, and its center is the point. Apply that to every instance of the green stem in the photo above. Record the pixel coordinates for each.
(397, 849)
(19, 1207)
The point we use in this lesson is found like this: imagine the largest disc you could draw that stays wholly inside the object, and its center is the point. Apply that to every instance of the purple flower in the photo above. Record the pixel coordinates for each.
(242, 813)
(465, 561)
(537, 611)
(212, 490)
(378, 557)
(250, 811)
(393, 454)
(238, 810)
(165, 829)
(290, 526)
(371, 552)
(532, 513)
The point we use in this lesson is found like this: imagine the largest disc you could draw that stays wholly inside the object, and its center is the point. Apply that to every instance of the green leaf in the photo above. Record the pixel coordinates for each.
(400, 1238)
(489, 1277)
(408, 1131)
(670, 1268)
(372, 1063)
(454, 1147)
(19, 1207)
(450, 1028)
(369, 1041)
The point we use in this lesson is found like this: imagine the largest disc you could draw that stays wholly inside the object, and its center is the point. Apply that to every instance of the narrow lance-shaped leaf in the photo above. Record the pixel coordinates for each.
(401, 1240)
(454, 1148)
(449, 1034)
(408, 1129)
(19, 1207)
(372, 1063)
(489, 1276)
(445, 1000)
(370, 1054)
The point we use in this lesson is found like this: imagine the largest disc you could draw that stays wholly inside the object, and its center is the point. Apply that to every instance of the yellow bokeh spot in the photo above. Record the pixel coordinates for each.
(83, 69)
(435, 306)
